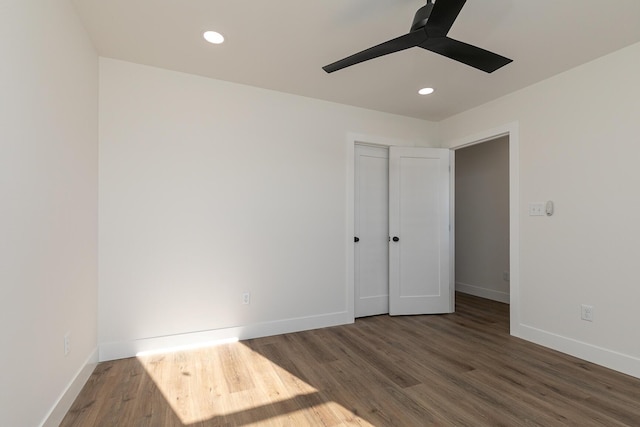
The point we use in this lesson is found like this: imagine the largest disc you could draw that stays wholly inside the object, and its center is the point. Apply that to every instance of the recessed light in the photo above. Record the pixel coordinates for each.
(426, 91)
(213, 37)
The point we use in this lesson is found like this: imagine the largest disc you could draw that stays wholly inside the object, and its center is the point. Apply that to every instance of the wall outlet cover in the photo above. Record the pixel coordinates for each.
(587, 312)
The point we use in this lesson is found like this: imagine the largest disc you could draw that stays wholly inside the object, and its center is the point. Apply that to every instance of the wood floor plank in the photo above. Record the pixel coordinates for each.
(542, 411)
(372, 351)
(460, 369)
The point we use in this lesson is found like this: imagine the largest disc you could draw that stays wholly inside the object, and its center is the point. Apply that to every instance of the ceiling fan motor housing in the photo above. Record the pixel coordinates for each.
(421, 16)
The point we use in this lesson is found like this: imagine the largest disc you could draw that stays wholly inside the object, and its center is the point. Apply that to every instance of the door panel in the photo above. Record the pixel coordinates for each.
(419, 261)
(372, 229)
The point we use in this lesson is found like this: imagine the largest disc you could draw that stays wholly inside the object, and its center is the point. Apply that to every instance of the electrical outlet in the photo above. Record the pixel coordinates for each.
(246, 298)
(67, 343)
(587, 313)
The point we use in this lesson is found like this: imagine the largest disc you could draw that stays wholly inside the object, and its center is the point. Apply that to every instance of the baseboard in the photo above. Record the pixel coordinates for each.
(601, 356)
(483, 292)
(123, 349)
(60, 409)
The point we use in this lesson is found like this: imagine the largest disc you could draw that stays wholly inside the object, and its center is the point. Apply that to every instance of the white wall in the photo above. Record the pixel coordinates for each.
(482, 219)
(210, 189)
(48, 213)
(579, 147)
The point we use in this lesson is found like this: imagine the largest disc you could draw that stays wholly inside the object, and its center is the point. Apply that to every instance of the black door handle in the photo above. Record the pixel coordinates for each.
(396, 239)
(356, 239)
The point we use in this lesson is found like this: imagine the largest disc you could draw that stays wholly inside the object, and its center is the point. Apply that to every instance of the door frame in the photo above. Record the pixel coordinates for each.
(351, 141)
(512, 131)
(509, 129)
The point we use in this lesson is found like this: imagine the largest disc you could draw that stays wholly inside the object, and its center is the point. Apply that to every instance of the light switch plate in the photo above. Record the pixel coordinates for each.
(536, 209)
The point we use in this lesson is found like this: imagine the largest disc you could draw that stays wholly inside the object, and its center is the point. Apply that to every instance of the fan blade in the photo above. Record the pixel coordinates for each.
(411, 39)
(442, 17)
(466, 53)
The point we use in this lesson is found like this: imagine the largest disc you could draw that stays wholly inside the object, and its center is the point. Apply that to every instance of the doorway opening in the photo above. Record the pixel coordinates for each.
(511, 132)
(482, 220)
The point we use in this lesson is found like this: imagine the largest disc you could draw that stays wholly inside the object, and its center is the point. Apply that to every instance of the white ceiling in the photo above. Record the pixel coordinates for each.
(282, 45)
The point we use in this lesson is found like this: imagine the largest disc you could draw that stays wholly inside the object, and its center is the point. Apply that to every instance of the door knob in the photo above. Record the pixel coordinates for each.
(356, 239)
(396, 239)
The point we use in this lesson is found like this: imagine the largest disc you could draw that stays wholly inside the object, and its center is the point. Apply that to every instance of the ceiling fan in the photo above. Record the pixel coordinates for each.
(431, 24)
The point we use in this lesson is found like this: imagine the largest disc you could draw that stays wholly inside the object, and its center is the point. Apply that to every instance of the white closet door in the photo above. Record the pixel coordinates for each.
(371, 230)
(419, 257)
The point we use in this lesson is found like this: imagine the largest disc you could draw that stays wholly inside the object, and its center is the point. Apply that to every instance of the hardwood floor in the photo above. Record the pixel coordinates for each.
(460, 369)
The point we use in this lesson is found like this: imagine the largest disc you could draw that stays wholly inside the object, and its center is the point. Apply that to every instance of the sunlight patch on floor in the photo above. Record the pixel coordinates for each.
(232, 383)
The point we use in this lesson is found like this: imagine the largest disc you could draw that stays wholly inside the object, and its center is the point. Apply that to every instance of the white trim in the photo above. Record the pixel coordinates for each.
(479, 291)
(601, 356)
(66, 399)
(122, 349)
(512, 130)
(360, 138)
(452, 230)
(350, 226)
